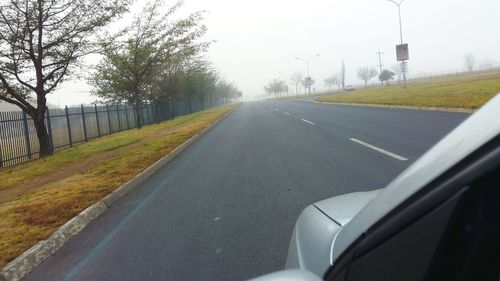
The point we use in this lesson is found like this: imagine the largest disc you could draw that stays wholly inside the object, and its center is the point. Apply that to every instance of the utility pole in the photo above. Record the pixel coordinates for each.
(379, 53)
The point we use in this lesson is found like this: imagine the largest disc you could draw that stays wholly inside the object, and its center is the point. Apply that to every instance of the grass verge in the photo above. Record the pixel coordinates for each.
(467, 91)
(84, 175)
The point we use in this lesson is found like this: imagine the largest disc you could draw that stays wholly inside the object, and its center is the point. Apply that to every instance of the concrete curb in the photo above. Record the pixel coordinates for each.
(443, 109)
(34, 256)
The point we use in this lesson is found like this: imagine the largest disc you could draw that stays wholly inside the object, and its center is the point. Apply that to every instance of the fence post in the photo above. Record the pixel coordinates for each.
(1, 152)
(49, 128)
(109, 119)
(118, 116)
(84, 125)
(97, 121)
(69, 127)
(26, 134)
(126, 117)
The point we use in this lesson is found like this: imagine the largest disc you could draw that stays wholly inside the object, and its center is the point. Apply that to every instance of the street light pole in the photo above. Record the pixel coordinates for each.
(307, 62)
(307, 66)
(403, 64)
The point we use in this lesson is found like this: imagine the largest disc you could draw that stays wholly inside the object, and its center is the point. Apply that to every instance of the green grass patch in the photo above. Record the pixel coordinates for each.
(467, 91)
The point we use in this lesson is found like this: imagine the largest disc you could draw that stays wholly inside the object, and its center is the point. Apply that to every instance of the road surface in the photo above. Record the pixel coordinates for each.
(225, 208)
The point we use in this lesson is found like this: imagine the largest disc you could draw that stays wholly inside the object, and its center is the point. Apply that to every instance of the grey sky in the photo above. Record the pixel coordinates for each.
(256, 40)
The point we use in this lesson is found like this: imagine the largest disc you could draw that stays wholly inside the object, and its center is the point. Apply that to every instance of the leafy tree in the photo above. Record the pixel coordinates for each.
(366, 73)
(199, 81)
(331, 81)
(397, 71)
(40, 44)
(133, 56)
(226, 90)
(386, 75)
(276, 87)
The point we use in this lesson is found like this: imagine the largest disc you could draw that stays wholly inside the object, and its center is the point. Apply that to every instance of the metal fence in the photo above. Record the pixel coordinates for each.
(73, 125)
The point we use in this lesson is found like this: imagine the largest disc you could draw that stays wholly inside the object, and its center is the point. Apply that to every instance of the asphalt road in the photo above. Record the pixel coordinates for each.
(225, 208)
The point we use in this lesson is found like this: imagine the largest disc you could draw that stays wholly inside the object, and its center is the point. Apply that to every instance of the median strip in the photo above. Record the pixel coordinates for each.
(383, 151)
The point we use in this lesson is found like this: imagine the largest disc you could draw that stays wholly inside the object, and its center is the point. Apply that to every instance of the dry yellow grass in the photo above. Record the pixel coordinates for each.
(34, 214)
(467, 91)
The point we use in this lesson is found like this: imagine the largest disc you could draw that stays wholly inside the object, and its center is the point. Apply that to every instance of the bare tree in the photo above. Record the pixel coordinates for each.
(366, 73)
(470, 61)
(307, 83)
(40, 44)
(296, 79)
(342, 75)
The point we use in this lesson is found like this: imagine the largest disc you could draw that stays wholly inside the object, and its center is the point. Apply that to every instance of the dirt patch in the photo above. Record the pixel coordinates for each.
(78, 167)
(10, 193)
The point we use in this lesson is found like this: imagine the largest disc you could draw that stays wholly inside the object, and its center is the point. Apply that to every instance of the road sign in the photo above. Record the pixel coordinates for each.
(402, 52)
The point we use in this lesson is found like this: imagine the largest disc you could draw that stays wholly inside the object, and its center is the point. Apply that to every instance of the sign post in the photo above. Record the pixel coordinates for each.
(403, 54)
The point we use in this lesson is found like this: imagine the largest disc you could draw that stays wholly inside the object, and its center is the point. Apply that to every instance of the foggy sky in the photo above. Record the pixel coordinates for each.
(257, 40)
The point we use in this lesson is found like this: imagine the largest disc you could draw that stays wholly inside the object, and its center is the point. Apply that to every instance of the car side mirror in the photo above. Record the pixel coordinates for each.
(287, 275)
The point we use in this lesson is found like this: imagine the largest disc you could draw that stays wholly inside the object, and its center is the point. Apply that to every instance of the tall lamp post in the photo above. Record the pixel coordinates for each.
(307, 66)
(307, 62)
(403, 64)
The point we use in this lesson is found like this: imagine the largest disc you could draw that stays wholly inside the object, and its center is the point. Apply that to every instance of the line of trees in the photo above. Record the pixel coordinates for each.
(277, 87)
(151, 60)
(157, 59)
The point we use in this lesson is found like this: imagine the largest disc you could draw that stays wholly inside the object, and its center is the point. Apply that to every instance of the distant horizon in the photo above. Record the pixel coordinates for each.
(252, 50)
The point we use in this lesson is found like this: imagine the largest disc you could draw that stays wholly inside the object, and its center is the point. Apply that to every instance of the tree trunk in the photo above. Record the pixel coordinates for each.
(41, 132)
(172, 106)
(157, 112)
(190, 104)
(366, 84)
(138, 114)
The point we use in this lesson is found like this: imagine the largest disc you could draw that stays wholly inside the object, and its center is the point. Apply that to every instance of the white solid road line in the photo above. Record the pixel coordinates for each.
(383, 151)
(286, 113)
(276, 109)
(308, 122)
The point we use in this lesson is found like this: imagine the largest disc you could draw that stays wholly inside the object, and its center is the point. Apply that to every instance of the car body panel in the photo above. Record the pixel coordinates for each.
(311, 239)
(317, 227)
(344, 207)
(476, 131)
(294, 274)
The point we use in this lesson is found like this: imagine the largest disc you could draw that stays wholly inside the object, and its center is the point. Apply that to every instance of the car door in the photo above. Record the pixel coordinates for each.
(448, 230)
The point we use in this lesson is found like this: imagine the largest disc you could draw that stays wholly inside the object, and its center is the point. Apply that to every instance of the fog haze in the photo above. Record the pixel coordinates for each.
(257, 40)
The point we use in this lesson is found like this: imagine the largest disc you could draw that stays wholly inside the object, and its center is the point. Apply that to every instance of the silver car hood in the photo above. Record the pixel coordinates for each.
(343, 208)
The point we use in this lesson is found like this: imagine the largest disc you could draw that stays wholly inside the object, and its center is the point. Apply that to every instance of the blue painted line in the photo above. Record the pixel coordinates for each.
(144, 203)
